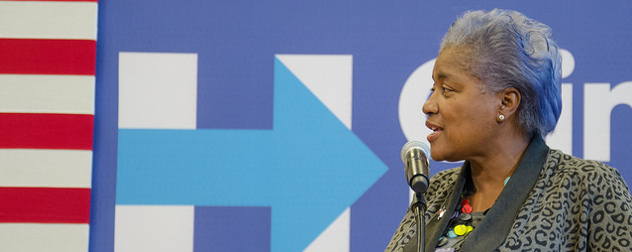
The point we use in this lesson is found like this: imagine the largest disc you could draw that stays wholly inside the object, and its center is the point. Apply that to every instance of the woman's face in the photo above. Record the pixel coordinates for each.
(461, 115)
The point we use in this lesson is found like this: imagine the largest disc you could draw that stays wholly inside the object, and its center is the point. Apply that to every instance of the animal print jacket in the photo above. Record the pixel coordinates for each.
(553, 202)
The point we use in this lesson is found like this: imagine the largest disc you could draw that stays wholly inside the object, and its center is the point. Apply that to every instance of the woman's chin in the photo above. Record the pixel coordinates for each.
(436, 157)
(440, 156)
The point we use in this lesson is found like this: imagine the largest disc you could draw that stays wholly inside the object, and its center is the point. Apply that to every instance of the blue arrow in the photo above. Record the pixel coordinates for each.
(308, 168)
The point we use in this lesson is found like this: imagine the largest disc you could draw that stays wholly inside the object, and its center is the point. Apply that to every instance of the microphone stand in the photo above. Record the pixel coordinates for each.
(419, 208)
(415, 157)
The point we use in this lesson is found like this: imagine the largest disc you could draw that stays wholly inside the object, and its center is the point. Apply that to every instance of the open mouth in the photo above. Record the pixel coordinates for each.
(436, 131)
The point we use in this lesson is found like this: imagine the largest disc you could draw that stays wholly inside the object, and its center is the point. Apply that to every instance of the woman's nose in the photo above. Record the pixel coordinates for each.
(430, 106)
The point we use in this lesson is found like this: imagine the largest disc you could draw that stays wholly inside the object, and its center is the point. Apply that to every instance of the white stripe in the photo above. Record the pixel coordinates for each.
(153, 228)
(48, 20)
(64, 94)
(27, 237)
(45, 168)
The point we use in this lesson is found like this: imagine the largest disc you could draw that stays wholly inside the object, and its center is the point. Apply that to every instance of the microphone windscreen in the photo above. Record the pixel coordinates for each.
(415, 145)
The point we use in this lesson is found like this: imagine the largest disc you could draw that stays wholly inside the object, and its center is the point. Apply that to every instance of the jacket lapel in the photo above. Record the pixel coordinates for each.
(493, 230)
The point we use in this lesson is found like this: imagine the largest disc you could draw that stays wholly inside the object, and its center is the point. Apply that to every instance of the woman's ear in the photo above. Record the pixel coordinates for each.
(509, 102)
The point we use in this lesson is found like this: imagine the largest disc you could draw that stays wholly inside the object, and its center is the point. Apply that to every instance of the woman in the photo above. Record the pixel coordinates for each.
(496, 93)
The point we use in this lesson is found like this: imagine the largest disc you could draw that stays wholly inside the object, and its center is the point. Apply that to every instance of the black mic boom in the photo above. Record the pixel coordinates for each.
(415, 157)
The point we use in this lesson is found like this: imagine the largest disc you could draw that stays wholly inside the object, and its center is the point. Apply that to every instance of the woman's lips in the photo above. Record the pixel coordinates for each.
(434, 135)
(436, 131)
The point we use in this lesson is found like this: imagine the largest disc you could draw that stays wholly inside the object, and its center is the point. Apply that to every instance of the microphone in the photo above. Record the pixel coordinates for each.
(415, 157)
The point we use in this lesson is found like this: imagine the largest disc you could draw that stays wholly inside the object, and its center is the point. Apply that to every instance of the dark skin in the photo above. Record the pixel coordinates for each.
(465, 119)
(489, 174)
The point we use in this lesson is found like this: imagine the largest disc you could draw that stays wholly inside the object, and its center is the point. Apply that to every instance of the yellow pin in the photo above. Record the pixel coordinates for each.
(469, 229)
(460, 230)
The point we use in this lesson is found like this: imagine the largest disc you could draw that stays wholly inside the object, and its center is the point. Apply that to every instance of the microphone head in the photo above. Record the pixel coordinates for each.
(415, 156)
(415, 145)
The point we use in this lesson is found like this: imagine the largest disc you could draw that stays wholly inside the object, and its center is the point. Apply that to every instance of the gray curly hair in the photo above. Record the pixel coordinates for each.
(506, 49)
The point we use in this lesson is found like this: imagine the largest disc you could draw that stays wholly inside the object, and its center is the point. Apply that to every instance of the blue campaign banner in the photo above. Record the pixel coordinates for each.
(277, 125)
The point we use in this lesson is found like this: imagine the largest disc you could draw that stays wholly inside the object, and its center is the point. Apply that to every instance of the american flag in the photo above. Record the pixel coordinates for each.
(47, 83)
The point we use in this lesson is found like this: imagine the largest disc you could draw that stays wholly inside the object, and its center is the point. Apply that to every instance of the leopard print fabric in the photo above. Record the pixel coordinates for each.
(575, 205)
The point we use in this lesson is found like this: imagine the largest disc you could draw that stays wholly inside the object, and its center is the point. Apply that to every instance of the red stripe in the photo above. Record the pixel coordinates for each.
(44, 205)
(47, 56)
(46, 131)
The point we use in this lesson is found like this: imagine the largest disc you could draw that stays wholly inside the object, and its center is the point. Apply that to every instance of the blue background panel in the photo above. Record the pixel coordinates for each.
(244, 229)
(237, 88)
